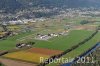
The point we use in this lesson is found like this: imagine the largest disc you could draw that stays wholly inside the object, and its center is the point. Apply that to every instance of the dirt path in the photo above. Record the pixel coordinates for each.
(9, 62)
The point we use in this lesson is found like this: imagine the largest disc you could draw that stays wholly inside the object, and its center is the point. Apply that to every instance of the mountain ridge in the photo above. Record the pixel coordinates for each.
(11, 5)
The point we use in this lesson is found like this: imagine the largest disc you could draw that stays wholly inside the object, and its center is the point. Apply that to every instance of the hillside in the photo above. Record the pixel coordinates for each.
(60, 3)
(11, 5)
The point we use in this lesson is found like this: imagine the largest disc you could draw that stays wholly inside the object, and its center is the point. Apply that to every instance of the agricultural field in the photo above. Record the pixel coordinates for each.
(26, 56)
(80, 49)
(49, 32)
(53, 46)
(49, 48)
(64, 42)
(10, 42)
(32, 55)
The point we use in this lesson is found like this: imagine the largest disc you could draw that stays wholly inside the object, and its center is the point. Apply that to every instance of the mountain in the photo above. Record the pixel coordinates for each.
(11, 5)
(60, 3)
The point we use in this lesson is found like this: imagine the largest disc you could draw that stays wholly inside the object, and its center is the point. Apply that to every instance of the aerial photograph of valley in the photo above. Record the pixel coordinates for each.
(49, 32)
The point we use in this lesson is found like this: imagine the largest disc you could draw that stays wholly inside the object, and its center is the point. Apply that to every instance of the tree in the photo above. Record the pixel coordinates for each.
(98, 27)
(84, 22)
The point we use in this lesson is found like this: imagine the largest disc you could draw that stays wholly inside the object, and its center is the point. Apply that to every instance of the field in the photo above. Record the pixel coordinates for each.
(80, 49)
(64, 42)
(26, 56)
(9, 62)
(52, 46)
(32, 55)
(10, 42)
(44, 51)
(49, 48)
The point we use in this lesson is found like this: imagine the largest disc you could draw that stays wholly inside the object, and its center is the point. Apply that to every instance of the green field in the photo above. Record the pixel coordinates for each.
(84, 47)
(57, 43)
(10, 42)
(64, 42)
(81, 49)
